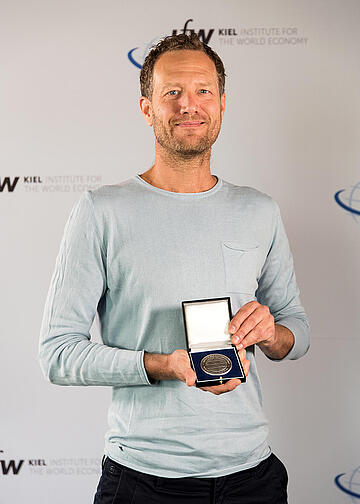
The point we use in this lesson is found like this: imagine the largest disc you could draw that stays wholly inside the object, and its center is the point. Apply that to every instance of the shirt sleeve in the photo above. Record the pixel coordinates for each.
(66, 353)
(279, 291)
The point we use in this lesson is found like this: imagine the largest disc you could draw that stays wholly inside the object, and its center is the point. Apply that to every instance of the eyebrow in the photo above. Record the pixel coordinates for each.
(177, 84)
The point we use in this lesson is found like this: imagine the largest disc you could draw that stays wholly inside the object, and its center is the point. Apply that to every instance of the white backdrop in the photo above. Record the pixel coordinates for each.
(70, 121)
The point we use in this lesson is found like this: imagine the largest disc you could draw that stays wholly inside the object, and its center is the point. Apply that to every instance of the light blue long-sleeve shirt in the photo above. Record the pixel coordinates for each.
(132, 252)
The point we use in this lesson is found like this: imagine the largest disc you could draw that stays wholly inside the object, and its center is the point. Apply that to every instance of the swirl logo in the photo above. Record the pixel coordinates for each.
(349, 200)
(137, 55)
(350, 484)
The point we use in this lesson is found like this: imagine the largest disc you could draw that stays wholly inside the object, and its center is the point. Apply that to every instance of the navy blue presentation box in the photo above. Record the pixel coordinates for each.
(214, 359)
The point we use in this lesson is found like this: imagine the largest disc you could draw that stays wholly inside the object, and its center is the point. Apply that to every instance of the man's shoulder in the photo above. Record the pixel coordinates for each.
(108, 195)
(112, 190)
(249, 196)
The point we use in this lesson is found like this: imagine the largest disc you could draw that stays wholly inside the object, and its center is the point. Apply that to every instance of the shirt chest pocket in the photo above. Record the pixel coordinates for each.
(242, 269)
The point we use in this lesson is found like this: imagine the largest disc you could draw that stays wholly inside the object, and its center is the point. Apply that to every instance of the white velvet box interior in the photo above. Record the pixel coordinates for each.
(207, 324)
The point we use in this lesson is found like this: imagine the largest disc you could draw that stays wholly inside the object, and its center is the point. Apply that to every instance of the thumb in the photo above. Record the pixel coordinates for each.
(190, 377)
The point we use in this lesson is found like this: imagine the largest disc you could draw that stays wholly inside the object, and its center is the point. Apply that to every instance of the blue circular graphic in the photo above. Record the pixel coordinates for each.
(352, 204)
(350, 484)
(142, 51)
(131, 58)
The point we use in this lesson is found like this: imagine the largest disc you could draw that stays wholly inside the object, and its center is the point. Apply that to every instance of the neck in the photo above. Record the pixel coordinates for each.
(175, 173)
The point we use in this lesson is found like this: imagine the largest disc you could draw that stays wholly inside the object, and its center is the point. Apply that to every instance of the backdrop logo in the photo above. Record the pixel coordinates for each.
(205, 37)
(239, 36)
(350, 483)
(9, 184)
(349, 200)
(49, 467)
(50, 183)
(10, 466)
(137, 55)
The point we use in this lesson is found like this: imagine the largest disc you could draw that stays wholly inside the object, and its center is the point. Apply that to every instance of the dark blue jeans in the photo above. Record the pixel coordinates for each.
(263, 484)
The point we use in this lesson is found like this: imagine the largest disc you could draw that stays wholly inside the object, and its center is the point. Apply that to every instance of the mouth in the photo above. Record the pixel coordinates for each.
(189, 124)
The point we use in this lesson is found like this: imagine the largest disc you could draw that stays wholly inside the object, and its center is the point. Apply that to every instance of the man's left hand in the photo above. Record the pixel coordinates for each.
(252, 324)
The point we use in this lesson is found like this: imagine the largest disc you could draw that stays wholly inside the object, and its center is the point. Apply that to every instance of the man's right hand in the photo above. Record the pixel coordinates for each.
(176, 366)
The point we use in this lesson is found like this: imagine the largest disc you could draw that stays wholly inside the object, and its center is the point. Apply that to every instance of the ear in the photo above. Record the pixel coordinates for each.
(146, 109)
(222, 104)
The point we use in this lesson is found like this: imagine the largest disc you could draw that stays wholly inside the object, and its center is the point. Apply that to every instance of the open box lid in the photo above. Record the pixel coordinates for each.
(206, 323)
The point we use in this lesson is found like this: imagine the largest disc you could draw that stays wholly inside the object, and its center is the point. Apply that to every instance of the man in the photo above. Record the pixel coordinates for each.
(133, 252)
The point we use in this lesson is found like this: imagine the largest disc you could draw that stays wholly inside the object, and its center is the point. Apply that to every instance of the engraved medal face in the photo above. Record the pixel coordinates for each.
(216, 364)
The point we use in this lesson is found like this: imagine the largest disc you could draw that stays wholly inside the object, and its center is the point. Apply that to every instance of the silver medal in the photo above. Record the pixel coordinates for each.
(216, 364)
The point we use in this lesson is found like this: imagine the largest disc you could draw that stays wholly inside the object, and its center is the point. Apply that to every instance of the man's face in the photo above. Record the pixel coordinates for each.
(186, 109)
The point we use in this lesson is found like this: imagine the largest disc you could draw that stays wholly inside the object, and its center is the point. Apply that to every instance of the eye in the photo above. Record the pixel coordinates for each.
(204, 91)
(173, 92)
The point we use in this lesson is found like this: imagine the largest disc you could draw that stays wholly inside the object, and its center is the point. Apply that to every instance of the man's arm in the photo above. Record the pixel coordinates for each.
(276, 322)
(67, 356)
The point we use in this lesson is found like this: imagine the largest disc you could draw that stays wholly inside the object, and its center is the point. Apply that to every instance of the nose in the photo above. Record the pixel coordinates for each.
(188, 103)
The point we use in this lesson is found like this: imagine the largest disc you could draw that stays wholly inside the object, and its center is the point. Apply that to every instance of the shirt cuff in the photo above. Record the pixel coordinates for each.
(301, 331)
(142, 370)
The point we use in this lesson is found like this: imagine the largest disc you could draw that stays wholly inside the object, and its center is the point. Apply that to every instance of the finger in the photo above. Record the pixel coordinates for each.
(262, 332)
(242, 354)
(190, 377)
(260, 319)
(241, 315)
(226, 387)
(221, 389)
(248, 325)
(246, 366)
(261, 313)
(244, 361)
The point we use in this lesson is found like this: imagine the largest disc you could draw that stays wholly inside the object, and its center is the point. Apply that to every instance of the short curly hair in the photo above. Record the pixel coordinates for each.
(177, 43)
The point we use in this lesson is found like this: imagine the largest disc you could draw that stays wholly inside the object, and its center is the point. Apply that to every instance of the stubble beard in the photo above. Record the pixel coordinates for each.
(184, 148)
